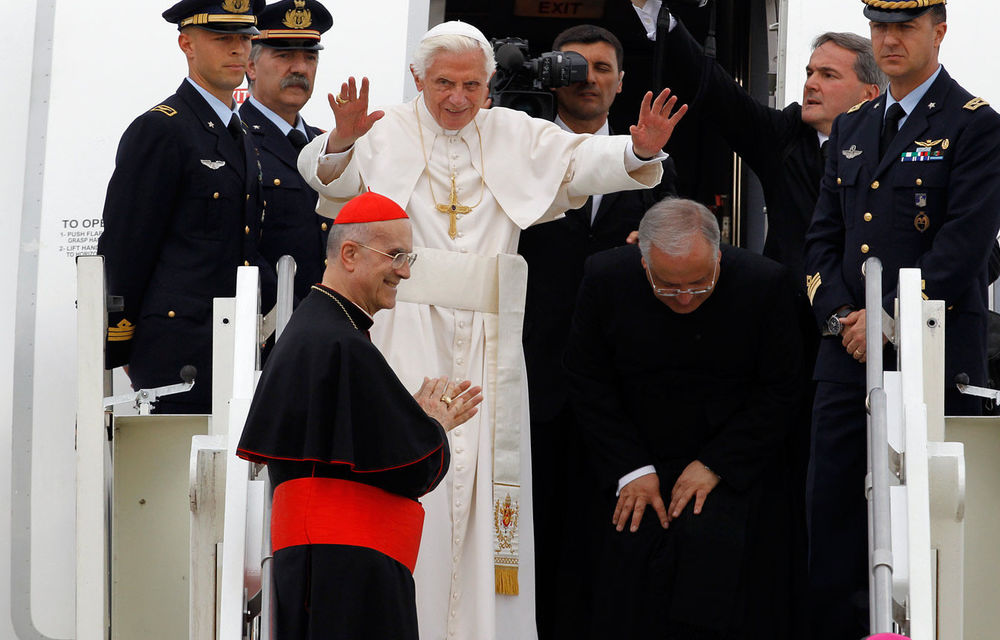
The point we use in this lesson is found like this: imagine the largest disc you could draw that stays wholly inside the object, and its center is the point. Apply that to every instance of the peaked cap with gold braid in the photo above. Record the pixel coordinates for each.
(898, 10)
(293, 24)
(221, 16)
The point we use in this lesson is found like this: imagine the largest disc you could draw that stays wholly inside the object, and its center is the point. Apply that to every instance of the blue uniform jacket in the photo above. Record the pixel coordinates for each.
(183, 211)
(932, 202)
(292, 225)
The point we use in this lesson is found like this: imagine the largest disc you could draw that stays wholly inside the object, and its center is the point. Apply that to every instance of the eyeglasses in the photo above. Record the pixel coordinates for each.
(398, 260)
(670, 293)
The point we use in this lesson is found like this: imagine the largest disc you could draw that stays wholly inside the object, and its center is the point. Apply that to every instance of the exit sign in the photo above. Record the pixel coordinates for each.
(588, 9)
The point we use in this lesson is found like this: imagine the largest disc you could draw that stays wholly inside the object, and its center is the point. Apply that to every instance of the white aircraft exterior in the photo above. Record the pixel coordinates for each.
(76, 74)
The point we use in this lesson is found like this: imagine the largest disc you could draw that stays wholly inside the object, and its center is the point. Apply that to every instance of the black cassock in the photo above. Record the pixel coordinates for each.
(719, 385)
(349, 451)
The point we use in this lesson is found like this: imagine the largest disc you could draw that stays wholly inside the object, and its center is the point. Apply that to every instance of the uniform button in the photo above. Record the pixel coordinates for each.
(868, 217)
(171, 313)
(246, 230)
(459, 449)
(864, 248)
(459, 467)
(875, 185)
(246, 263)
(458, 342)
(325, 262)
(839, 181)
(277, 182)
(324, 226)
(919, 182)
(248, 198)
(460, 360)
(215, 195)
(454, 596)
(461, 324)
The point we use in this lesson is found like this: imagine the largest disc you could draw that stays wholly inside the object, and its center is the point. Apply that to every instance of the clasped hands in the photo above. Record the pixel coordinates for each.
(451, 404)
(696, 481)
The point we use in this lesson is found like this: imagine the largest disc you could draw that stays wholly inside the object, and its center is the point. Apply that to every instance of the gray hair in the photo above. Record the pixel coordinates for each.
(865, 67)
(360, 232)
(255, 51)
(673, 223)
(423, 57)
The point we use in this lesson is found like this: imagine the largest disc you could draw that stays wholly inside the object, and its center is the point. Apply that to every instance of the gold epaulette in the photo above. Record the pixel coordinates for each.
(857, 106)
(165, 109)
(121, 332)
(975, 103)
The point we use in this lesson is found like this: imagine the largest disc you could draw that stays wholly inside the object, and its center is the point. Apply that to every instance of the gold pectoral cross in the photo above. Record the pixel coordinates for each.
(453, 209)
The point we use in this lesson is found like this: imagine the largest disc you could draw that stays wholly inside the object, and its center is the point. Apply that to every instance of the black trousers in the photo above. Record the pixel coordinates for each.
(837, 513)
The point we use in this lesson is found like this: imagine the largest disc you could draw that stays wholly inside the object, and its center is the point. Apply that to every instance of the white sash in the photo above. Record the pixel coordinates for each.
(494, 286)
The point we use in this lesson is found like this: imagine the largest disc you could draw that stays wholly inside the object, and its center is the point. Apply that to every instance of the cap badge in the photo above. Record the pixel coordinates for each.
(236, 6)
(852, 153)
(299, 17)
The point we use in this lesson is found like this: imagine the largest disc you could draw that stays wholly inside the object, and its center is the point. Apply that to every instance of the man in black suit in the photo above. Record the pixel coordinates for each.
(782, 147)
(282, 73)
(555, 253)
(911, 179)
(686, 367)
(183, 209)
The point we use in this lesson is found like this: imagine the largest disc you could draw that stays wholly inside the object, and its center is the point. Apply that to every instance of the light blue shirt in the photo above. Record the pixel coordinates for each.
(278, 121)
(224, 111)
(910, 100)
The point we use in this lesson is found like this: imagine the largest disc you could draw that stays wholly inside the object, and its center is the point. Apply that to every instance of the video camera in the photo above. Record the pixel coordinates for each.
(524, 84)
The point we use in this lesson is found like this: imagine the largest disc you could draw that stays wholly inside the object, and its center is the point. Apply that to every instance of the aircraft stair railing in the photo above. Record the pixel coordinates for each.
(231, 595)
(916, 481)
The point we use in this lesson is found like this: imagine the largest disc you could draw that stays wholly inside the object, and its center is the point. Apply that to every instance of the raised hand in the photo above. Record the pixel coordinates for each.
(656, 123)
(350, 111)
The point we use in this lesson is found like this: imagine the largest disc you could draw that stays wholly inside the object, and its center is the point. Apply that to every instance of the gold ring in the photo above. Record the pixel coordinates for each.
(341, 101)
(447, 400)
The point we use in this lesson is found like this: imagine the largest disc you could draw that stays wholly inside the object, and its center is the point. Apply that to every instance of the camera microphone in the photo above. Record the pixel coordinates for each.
(510, 58)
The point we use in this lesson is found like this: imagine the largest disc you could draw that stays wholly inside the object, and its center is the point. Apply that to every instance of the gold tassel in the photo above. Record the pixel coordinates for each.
(506, 580)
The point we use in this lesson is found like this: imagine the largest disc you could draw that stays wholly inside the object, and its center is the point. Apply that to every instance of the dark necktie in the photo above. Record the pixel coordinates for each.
(890, 127)
(297, 138)
(823, 148)
(583, 214)
(235, 127)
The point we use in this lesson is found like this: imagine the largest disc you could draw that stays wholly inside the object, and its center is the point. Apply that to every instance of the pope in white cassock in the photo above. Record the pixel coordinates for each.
(470, 179)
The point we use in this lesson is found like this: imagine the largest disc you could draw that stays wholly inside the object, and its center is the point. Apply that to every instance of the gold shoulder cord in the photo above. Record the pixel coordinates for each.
(453, 208)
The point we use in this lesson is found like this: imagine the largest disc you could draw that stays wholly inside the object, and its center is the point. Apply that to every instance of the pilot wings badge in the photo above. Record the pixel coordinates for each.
(214, 164)
(852, 153)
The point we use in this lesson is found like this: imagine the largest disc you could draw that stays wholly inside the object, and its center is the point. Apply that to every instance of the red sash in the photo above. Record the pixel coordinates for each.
(331, 511)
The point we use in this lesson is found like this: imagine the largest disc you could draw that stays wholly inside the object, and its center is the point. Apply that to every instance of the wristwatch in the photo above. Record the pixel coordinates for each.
(833, 325)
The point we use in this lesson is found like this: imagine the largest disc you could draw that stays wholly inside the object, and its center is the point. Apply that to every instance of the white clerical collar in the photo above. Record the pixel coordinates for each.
(277, 120)
(910, 100)
(224, 111)
(605, 130)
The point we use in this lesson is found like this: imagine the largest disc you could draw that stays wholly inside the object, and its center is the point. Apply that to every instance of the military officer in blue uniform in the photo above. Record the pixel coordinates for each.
(282, 73)
(913, 179)
(183, 208)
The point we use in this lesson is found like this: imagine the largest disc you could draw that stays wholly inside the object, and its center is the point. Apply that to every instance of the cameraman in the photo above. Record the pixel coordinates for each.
(555, 253)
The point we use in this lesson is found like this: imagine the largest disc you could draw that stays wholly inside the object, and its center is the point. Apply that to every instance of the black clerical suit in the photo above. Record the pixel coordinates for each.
(933, 202)
(555, 253)
(183, 211)
(292, 225)
(349, 451)
(719, 385)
